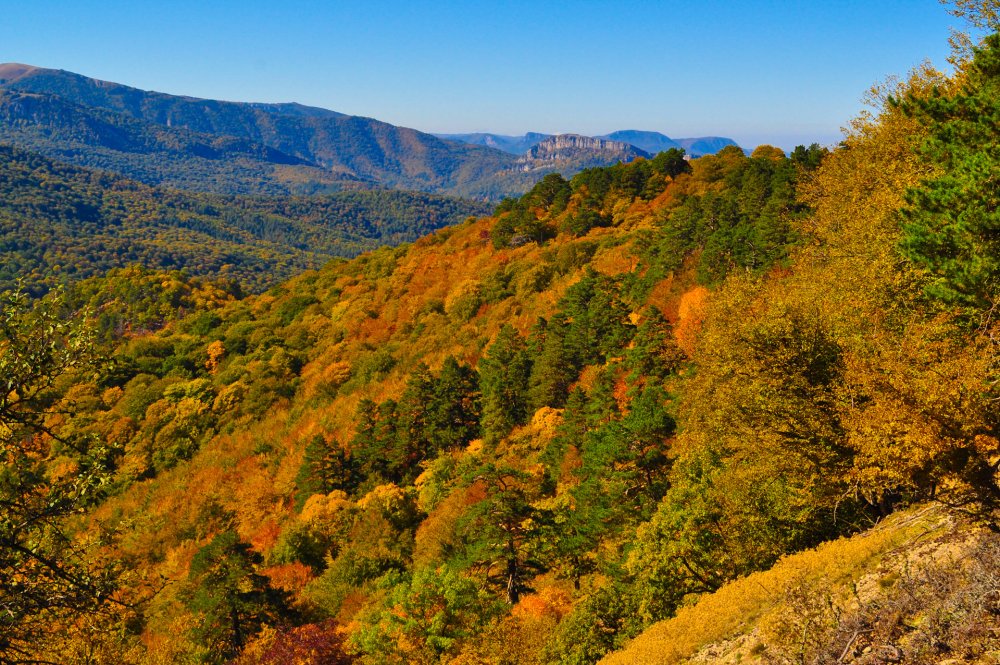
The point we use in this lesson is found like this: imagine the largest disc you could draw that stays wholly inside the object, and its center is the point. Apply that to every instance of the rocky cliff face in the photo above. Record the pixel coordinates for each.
(575, 149)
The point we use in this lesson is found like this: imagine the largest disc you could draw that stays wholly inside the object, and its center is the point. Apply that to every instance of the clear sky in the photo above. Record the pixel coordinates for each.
(760, 71)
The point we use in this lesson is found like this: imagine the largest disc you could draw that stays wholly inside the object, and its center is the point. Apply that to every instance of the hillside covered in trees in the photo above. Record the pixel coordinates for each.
(205, 145)
(229, 147)
(733, 409)
(61, 224)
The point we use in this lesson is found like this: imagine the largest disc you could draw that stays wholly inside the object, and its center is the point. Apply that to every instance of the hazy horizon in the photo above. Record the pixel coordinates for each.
(758, 72)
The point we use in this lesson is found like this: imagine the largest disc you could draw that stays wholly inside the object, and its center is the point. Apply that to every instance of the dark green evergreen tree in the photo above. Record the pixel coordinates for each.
(952, 224)
(551, 194)
(607, 316)
(389, 448)
(654, 353)
(364, 444)
(503, 532)
(602, 404)
(326, 466)
(454, 416)
(671, 163)
(233, 600)
(808, 158)
(414, 422)
(553, 370)
(503, 382)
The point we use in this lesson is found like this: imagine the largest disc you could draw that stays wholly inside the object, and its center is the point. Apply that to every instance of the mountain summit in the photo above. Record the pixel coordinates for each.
(577, 152)
(651, 142)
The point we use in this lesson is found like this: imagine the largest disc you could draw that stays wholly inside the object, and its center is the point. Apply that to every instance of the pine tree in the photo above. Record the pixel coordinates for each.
(553, 370)
(503, 382)
(364, 444)
(654, 353)
(454, 417)
(389, 448)
(232, 598)
(952, 224)
(503, 533)
(326, 467)
(414, 421)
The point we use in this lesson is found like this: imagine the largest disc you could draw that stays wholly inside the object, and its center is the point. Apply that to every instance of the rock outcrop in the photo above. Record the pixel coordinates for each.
(576, 150)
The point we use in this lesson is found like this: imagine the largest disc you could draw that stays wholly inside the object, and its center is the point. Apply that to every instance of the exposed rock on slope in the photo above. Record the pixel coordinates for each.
(580, 151)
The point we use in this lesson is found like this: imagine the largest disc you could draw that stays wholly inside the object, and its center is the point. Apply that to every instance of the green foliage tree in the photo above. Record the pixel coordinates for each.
(378, 445)
(551, 193)
(414, 429)
(808, 158)
(580, 223)
(423, 619)
(326, 467)
(952, 224)
(503, 532)
(654, 353)
(232, 599)
(553, 369)
(503, 381)
(456, 409)
(602, 621)
(670, 163)
(47, 573)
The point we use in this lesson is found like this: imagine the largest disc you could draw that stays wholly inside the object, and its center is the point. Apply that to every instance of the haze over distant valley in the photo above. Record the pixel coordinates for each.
(241, 148)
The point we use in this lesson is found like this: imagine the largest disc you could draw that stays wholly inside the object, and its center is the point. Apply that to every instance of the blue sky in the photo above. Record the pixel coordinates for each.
(780, 72)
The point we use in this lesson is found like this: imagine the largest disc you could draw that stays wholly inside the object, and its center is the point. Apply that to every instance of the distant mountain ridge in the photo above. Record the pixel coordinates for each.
(650, 142)
(516, 145)
(578, 151)
(223, 147)
(158, 155)
(146, 105)
(705, 145)
(363, 149)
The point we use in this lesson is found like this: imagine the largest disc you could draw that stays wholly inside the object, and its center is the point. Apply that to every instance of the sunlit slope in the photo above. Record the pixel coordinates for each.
(916, 581)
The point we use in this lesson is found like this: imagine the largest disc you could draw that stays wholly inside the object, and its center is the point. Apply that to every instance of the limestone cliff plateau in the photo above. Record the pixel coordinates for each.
(651, 142)
(578, 151)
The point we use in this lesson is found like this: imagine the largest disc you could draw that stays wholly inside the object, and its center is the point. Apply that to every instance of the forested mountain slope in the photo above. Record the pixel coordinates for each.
(231, 147)
(157, 154)
(235, 147)
(530, 437)
(61, 223)
(354, 381)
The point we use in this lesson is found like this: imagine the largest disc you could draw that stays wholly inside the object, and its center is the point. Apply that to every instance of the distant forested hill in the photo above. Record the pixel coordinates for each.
(207, 145)
(157, 138)
(158, 155)
(62, 223)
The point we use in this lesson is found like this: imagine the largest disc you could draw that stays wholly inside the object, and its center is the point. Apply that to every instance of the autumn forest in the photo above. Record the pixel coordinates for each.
(738, 408)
